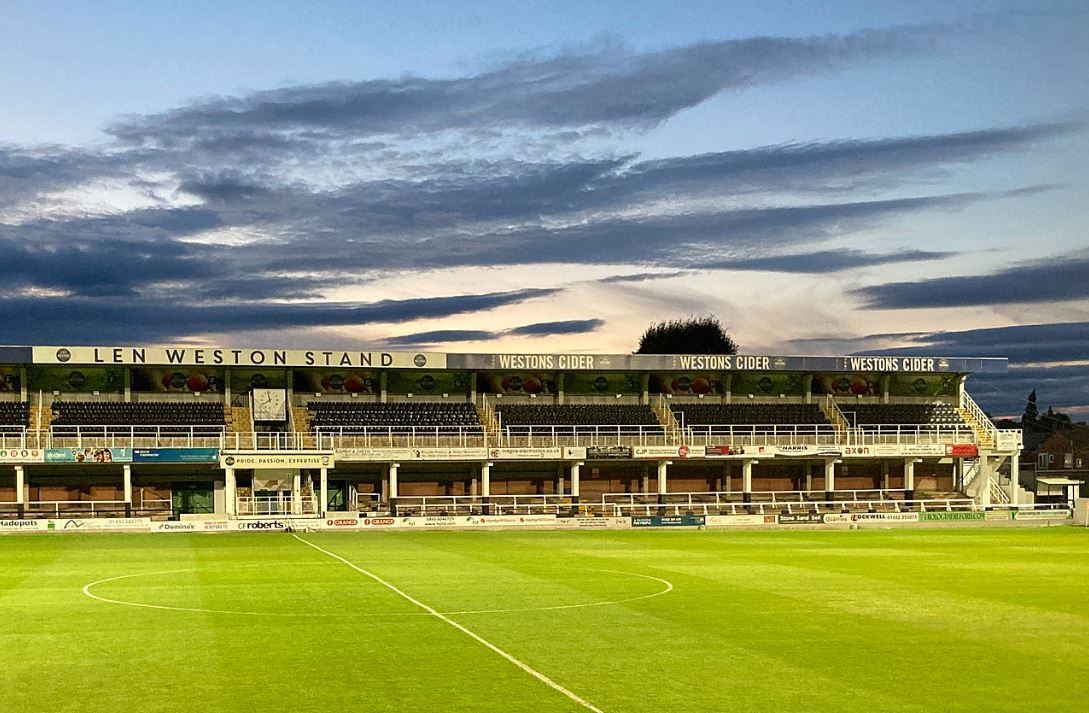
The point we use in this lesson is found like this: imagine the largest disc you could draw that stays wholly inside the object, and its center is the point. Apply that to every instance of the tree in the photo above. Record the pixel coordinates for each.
(694, 335)
(1031, 411)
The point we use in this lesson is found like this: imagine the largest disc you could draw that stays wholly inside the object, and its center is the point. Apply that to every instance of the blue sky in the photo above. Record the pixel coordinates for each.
(825, 178)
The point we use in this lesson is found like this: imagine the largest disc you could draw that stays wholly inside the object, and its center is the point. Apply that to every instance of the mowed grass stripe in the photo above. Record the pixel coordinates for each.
(893, 620)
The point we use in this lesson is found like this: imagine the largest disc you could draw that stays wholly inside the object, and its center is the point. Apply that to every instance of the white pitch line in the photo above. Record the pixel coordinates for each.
(475, 637)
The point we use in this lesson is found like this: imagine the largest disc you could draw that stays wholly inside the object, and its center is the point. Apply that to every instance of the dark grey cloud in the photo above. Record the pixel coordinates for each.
(570, 326)
(825, 261)
(642, 277)
(441, 336)
(83, 320)
(1059, 277)
(607, 86)
(446, 336)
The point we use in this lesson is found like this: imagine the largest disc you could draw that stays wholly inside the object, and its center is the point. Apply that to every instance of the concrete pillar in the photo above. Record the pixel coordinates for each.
(126, 479)
(1015, 476)
(296, 493)
(575, 467)
(20, 490)
(127, 381)
(382, 386)
(323, 503)
(663, 482)
(559, 387)
(230, 492)
(746, 480)
(486, 487)
(727, 478)
(474, 489)
(884, 475)
(830, 479)
(909, 478)
(808, 476)
(646, 479)
(391, 488)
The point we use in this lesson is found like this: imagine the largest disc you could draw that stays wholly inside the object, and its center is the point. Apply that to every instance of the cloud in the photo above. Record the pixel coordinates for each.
(445, 336)
(1060, 277)
(826, 261)
(606, 86)
(82, 320)
(570, 326)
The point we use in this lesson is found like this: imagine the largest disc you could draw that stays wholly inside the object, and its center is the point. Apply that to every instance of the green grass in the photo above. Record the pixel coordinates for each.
(895, 620)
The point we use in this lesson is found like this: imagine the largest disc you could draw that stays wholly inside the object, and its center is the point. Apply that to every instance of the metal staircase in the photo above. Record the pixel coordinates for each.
(985, 432)
(837, 419)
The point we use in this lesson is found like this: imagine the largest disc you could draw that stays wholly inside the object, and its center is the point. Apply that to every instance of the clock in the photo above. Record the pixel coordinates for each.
(269, 405)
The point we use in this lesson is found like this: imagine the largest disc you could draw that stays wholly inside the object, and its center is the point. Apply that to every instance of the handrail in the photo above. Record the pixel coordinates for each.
(990, 431)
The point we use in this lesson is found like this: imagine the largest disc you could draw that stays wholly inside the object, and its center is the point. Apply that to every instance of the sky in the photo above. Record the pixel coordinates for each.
(825, 178)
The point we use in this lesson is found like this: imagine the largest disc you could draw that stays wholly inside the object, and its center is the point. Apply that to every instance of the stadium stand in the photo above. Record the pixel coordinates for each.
(932, 414)
(349, 417)
(625, 419)
(72, 418)
(14, 416)
(748, 414)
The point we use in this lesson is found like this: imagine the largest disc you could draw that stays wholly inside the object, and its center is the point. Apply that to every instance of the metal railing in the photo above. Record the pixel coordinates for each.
(128, 436)
(450, 505)
(272, 505)
(761, 434)
(767, 508)
(910, 433)
(542, 436)
(990, 432)
(401, 437)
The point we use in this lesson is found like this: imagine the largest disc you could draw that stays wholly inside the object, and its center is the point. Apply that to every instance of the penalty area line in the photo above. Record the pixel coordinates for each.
(472, 635)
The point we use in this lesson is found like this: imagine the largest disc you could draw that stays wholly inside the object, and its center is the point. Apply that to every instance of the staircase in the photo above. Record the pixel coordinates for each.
(985, 432)
(239, 427)
(300, 421)
(490, 421)
(837, 419)
(668, 420)
(37, 430)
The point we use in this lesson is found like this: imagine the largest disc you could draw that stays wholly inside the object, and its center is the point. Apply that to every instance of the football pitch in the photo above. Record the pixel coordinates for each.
(616, 621)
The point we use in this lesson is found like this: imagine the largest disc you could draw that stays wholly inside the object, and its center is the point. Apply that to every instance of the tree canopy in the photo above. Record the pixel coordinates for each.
(692, 335)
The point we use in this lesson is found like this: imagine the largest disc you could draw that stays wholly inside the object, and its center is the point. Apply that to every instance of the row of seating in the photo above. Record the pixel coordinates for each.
(578, 419)
(14, 416)
(748, 414)
(932, 414)
(351, 417)
(76, 413)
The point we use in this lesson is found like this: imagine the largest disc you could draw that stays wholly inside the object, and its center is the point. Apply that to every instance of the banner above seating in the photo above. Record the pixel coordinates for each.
(512, 363)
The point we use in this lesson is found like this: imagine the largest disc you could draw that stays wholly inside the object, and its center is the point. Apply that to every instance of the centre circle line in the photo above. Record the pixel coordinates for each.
(460, 627)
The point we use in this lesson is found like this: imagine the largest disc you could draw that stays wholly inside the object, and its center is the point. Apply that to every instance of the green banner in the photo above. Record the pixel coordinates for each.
(951, 516)
(608, 382)
(428, 382)
(76, 380)
(770, 384)
(923, 385)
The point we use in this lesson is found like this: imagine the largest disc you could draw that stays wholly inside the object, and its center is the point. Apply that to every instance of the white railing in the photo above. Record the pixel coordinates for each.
(768, 497)
(63, 508)
(999, 496)
(910, 433)
(763, 508)
(364, 501)
(127, 436)
(401, 436)
(283, 504)
(989, 430)
(538, 436)
(761, 434)
(13, 437)
(835, 414)
(476, 504)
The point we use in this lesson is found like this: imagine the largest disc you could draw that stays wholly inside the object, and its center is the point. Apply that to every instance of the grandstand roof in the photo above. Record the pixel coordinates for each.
(230, 356)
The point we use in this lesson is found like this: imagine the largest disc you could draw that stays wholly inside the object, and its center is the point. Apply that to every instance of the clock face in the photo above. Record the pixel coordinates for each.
(269, 404)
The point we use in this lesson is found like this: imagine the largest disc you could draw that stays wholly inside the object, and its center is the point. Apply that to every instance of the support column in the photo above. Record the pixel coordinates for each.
(323, 504)
(909, 478)
(296, 493)
(746, 480)
(1015, 476)
(808, 476)
(645, 489)
(727, 478)
(663, 482)
(391, 494)
(20, 490)
(560, 470)
(575, 467)
(830, 479)
(230, 491)
(486, 487)
(884, 475)
(126, 476)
